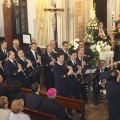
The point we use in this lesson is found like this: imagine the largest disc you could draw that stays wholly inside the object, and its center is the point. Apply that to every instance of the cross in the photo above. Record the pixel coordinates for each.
(54, 17)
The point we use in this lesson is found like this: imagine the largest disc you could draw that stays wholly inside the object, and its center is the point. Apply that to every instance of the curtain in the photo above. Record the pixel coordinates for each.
(41, 23)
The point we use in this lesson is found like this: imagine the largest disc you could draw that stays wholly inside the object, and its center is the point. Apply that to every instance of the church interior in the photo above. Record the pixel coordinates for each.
(60, 59)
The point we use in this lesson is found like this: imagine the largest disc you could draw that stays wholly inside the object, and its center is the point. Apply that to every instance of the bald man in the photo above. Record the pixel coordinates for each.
(15, 47)
(14, 72)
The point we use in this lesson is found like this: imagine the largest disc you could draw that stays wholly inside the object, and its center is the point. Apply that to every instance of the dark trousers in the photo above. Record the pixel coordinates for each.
(83, 92)
(114, 115)
(96, 89)
(50, 81)
(73, 90)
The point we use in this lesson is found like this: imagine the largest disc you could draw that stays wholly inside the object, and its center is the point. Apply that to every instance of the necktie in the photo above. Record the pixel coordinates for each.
(24, 59)
(36, 55)
(14, 62)
(4, 52)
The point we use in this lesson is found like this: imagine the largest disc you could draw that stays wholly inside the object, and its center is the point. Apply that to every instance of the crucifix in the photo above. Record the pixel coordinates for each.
(54, 17)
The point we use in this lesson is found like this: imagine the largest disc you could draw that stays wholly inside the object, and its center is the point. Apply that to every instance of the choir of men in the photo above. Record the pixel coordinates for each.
(63, 69)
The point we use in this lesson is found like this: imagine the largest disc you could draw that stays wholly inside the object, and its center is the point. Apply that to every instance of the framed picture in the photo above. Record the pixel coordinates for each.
(26, 38)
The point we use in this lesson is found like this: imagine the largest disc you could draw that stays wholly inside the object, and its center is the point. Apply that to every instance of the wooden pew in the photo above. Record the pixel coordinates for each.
(37, 114)
(64, 101)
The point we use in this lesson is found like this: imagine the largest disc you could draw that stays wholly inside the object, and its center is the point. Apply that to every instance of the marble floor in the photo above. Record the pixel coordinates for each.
(93, 112)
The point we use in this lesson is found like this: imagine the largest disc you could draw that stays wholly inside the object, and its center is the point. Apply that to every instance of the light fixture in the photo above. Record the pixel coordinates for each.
(8, 3)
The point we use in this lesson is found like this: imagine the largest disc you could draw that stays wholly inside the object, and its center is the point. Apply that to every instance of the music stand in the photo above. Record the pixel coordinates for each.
(36, 71)
(91, 70)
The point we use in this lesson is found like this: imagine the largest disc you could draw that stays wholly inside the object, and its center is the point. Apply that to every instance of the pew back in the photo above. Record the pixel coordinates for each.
(64, 101)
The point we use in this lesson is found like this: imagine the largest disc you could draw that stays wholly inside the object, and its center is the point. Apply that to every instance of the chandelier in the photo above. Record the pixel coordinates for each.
(8, 3)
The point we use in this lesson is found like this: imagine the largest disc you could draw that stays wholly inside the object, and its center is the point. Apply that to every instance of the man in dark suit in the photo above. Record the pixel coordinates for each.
(113, 95)
(64, 50)
(97, 83)
(61, 74)
(50, 102)
(13, 70)
(33, 99)
(73, 83)
(3, 90)
(83, 62)
(117, 46)
(48, 60)
(38, 48)
(53, 43)
(87, 51)
(34, 57)
(26, 66)
(101, 34)
(117, 30)
(16, 45)
(3, 52)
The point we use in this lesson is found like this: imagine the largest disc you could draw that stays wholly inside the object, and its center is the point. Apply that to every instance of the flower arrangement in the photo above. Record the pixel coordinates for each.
(91, 26)
(100, 46)
(100, 50)
(73, 45)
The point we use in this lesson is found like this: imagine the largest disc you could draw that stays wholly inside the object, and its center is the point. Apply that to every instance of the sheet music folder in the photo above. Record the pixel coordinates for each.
(90, 70)
(36, 70)
(104, 75)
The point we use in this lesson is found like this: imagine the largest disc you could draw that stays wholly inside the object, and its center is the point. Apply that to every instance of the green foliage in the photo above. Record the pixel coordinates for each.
(95, 60)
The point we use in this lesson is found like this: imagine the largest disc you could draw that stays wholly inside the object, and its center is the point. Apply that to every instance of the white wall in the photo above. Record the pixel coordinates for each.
(1, 21)
(31, 18)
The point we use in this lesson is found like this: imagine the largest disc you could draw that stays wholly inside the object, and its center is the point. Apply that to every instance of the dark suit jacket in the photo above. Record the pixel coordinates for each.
(3, 73)
(61, 79)
(65, 55)
(53, 107)
(24, 66)
(113, 94)
(2, 56)
(97, 38)
(96, 80)
(79, 62)
(13, 95)
(4, 91)
(30, 56)
(88, 52)
(117, 35)
(12, 73)
(34, 100)
(72, 79)
(13, 49)
(46, 62)
(117, 46)
(38, 50)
